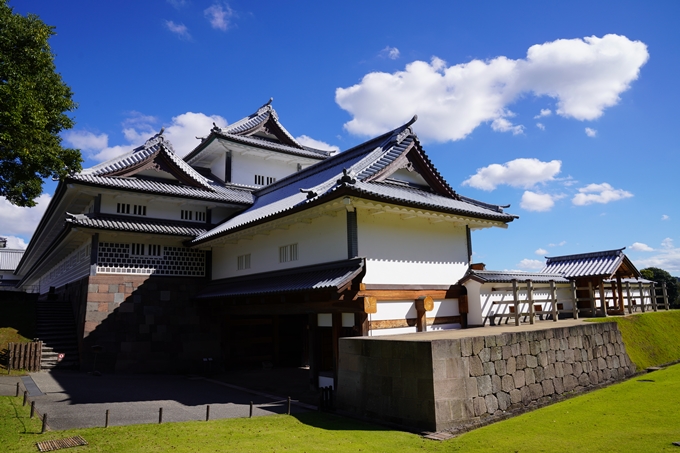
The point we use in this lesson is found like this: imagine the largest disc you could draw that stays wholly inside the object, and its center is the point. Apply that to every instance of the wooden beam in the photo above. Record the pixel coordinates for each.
(411, 322)
(425, 303)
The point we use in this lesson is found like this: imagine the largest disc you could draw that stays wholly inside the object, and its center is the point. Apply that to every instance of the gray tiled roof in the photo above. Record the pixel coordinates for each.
(363, 161)
(266, 144)
(137, 155)
(509, 276)
(135, 225)
(9, 259)
(604, 263)
(228, 194)
(333, 275)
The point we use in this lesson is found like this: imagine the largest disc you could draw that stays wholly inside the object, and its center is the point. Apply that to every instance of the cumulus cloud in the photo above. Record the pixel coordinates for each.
(537, 202)
(664, 217)
(318, 144)
(180, 30)
(591, 132)
(503, 125)
(666, 258)
(21, 222)
(523, 172)
(219, 16)
(16, 243)
(527, 264)
(559, 244)
(584, 76)
(390, 52)
(599, 193)
(641, 247)
(544, 112)
(540, 126)
(137, 128)
(667, 243)
(541, 252)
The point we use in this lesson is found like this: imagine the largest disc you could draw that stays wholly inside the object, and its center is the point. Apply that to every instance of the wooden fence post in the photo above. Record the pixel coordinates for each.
(574, 299)
(530, 297)
(603, 299)
(553, 294)
(592, 298)
(665, 296)
(652, 292)
(515, 299)
(642, 296)
(630, 302)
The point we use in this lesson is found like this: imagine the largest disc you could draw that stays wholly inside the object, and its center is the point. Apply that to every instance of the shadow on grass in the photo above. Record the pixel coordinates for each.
(333, 422)
(17, 321)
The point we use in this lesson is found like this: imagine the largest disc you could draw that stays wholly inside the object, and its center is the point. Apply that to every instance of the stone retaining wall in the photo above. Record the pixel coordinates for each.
(446, 383)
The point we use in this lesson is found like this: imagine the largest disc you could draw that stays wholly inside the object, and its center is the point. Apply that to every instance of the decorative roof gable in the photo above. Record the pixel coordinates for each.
(606, 264)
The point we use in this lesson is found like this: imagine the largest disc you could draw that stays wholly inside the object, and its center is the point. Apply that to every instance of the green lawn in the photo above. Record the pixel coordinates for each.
(635, 415)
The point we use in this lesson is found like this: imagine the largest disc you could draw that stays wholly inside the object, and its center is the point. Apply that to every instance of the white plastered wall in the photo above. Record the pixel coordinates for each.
(155, 209)
(411, 250)
(323, 240)
(244, 167)
(406, 309)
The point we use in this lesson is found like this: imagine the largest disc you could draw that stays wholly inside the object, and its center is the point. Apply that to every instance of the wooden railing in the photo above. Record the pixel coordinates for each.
(24, 356)
(636, 295)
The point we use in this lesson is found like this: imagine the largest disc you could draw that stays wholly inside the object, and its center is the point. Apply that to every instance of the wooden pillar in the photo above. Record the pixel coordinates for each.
(630, 301)
(592, 298)
(603, 299)
(423, 305)
(553, 295)
(665, 296)
(361, 324)
(574, 299)
(642, 296)
(337, 325)
(463, 310)
(515, 299)
(530, 298)
(314, 351)
(652, 294)
(619, 286)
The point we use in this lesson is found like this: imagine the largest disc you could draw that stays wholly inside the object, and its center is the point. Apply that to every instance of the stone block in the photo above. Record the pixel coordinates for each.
(536, 391)
(490, 341)
(466, 347)
(100, 297)
(92, 288)
(532, 361)
(616, 363)
(502, 339)
(503, 400)
(578, 368)
(501, 368)
(516, 349)
(479, 405)
(601, 363)
(584, 380)
(519, 379)
(524, 347)
(606, 374)
(496, 384)
(534, 348)
(548, 387)
(458, 367)
(444, 349)
(484, 355)
(542, 358)
(569, 356)
(511, 365)
(119, 297)
(559, 355)
(491, 403)
(552, 357)
(476, 367)
(569, 382)
(559, 369)
(539, 372)
(477, 344)
(507, 352)
(558, 383)
(471, 390)
(544, 345)
(567, 368)
(521, 362)
(484, 386)
(529, 376)
(507, 383)
(489, 368)
(599, 341)
(526, 395)
(515, 396)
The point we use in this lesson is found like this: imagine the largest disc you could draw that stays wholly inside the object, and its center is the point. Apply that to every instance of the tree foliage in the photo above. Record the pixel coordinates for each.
(660, 276)
(33, 104)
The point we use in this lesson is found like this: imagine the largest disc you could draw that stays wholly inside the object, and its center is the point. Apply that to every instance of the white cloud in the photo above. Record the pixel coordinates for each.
(523, 172)
(16, 243)
(527, 264)
(86, 141)
(540, 126)
(541, 252)
(666, 258)
(559, 244)
(599, 193)
(641, 247)
(544, 112)
(503, 125)
(390, 52)
(138, 128)
(591, 132)
(664, 217)
(21, 222)
(318, 144)
(585, 76)
(178, 3)
(180, 30)
(537, 202)
(219, 16)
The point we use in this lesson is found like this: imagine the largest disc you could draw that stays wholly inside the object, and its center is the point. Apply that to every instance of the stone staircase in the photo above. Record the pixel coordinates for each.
(56, 328)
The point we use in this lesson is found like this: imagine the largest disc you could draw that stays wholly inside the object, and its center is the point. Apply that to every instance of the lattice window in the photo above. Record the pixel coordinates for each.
(200, 216)
(288, 253)
(120, 258)
(139, 209)
(186, 215)
(123, 208)
(243, 262)
(261, 180)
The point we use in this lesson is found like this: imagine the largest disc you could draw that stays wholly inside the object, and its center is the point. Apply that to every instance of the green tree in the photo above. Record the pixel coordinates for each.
(660, 276)
(33, 105)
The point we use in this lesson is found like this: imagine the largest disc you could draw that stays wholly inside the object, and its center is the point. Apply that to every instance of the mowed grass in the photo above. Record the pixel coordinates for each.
(636, 415)
(651, 339)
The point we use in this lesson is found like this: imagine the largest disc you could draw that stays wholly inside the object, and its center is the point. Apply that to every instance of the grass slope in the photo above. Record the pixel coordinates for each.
(17, 321)
(651, 339)
(636, 415)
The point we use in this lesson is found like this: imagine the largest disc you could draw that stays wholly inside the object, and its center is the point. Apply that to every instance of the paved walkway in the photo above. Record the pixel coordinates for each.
(79, 400)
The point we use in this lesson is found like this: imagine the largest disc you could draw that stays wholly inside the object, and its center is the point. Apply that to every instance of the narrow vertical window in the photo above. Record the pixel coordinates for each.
(288, 253)
(243, 262)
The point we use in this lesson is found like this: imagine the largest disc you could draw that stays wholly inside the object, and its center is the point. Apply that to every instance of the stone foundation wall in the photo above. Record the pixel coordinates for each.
(143, 324)
(476, 377)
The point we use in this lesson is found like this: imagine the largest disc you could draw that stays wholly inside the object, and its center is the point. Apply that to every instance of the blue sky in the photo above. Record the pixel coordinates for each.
(567, 111)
